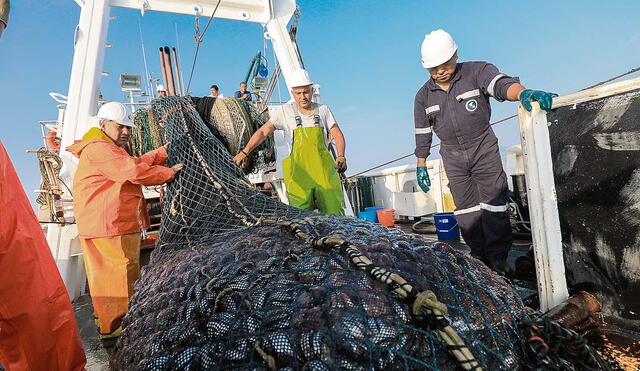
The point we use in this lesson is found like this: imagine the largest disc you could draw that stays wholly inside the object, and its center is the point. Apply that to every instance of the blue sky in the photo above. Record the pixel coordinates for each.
(365, 54)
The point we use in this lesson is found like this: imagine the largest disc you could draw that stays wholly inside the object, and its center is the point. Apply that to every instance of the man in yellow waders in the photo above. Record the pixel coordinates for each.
(310, 172)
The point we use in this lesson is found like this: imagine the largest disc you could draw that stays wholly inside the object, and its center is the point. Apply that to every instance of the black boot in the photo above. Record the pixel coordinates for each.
(501, 267)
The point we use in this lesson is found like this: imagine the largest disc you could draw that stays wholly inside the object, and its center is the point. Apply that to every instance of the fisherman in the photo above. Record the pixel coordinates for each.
(215, 91)
(243, 93)
(310, 175)
(454, 103)
(111, 212)
(162, 92)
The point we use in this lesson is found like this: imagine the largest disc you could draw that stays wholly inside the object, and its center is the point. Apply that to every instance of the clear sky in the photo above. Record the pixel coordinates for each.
(365, 55)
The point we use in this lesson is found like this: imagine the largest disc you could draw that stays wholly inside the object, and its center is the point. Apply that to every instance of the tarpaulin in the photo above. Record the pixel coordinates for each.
(37, 327)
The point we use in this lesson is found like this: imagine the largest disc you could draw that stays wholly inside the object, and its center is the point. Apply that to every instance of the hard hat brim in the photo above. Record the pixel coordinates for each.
(125, 123)
(437, 62)
(299, 85)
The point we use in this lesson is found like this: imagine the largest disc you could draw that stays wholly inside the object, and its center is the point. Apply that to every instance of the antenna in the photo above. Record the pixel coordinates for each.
(146, 69)
(178, 68)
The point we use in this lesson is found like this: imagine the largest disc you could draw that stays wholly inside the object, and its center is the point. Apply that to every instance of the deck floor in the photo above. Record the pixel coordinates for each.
(95, 351)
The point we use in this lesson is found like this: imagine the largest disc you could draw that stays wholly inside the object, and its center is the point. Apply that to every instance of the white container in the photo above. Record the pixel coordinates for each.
(397, 188)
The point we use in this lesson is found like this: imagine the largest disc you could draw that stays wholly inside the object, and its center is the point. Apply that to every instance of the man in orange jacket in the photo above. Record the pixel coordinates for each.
(111, 212)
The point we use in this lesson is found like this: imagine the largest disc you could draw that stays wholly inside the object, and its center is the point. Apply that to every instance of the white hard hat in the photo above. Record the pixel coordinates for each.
(300, 77)
(437, 48)
(161, 88)
(115, 111)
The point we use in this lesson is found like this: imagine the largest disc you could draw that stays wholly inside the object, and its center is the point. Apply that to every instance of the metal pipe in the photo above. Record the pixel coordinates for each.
(574, 310)
(255, 59)
(163, 67)
(178, 78)
(167, 63)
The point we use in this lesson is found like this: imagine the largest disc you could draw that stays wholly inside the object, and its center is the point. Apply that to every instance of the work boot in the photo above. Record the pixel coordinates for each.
(500, 266)
(113, 335)
(480, 257)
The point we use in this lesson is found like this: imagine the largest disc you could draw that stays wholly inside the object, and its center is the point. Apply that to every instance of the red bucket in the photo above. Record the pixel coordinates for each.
(385, 217)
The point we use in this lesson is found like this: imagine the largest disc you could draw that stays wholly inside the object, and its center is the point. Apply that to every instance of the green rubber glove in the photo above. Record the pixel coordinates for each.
(423, 178)
(545, 99)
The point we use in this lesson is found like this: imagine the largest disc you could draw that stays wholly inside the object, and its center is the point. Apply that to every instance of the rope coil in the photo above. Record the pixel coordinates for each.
(50, 164)
(548, 346)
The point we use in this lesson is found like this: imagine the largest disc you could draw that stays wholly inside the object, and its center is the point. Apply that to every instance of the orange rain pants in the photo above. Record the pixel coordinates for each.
(113, 267)
(37, 327)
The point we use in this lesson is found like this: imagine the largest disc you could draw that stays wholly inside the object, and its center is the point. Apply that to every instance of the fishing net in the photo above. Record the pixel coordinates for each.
(233, 121)
(236, 120)
(241, 281)
(147, 133)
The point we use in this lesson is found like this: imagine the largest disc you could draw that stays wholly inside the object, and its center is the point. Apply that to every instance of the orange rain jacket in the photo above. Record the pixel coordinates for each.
(37, 327)
(107, 197)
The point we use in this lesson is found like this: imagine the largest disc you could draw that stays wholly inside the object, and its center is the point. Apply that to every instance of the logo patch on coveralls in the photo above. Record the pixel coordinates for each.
(471, 105)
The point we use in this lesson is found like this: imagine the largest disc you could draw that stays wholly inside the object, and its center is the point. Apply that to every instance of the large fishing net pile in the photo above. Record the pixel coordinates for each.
(233, 285)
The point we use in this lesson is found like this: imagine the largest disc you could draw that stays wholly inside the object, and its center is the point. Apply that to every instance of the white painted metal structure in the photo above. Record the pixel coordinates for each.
(397, 188)
(84, 85)
(543, 206)
(514, 162)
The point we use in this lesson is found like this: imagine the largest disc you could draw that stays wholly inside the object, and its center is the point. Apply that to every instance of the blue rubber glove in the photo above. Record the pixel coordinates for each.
(423, 178)
(545, 99)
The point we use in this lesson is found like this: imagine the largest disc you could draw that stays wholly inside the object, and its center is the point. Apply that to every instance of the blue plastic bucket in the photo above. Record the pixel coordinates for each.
(374, 209)
(369, 215)
(446, 226)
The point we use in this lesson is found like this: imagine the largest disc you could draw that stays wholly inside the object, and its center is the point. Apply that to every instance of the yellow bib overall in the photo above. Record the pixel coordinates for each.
(309, 172)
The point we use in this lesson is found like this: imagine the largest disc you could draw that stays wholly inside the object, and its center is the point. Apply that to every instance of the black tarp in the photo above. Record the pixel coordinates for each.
(595, 146)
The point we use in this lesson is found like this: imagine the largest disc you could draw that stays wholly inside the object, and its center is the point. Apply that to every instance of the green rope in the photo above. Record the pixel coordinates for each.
(147, 134)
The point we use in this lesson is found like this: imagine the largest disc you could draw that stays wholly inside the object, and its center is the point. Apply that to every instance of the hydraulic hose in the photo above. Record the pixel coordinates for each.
(424, 227)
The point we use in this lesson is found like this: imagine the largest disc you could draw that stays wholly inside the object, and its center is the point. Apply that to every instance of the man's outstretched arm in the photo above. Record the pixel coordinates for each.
(336, 134)
(258, 137)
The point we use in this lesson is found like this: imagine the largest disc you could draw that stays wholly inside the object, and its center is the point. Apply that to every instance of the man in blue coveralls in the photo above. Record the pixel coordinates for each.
(454, 103)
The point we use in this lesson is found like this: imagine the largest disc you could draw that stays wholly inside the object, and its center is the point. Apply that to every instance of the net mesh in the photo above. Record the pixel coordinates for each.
(147, 134)
(236, 120)
(225, 290)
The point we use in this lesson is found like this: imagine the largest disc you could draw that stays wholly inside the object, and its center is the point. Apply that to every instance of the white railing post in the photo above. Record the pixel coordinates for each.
(543, 207)
(82, 103)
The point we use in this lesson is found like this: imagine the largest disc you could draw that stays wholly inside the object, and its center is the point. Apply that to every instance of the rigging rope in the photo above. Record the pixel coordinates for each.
(198, 39)
(494, 123)
(411, 154)
(50, 165)
(613, 78)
